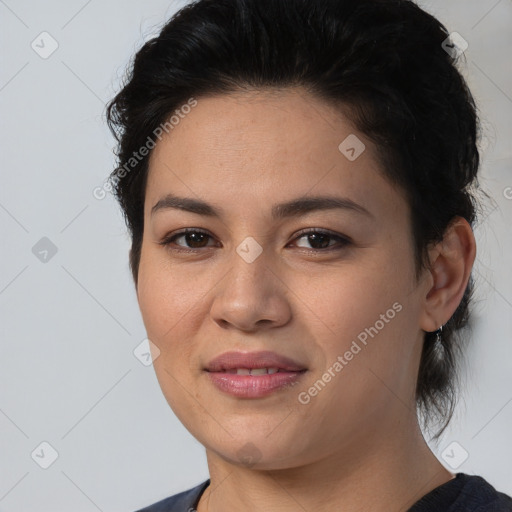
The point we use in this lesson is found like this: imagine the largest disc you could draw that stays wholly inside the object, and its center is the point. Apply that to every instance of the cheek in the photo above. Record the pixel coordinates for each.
(349, 300)
(163, 298)
(169, 308)
(170, 313)
(365, 317)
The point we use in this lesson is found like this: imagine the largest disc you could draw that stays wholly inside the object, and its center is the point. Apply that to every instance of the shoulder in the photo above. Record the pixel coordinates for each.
(478, 495)
(185, 501)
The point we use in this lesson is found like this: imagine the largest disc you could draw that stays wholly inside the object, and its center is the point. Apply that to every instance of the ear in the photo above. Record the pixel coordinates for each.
(451, 261)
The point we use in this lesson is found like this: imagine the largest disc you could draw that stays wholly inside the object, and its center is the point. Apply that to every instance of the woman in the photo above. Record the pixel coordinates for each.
(296, 177)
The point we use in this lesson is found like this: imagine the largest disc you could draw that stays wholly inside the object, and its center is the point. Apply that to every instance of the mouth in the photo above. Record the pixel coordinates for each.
(253, 375)
(253, 363)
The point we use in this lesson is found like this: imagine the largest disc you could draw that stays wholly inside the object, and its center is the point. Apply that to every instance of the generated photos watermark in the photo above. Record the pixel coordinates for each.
(137, 156)
(304, 397)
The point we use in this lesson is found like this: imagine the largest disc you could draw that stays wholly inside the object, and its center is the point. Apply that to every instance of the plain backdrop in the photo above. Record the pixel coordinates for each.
(70, 322)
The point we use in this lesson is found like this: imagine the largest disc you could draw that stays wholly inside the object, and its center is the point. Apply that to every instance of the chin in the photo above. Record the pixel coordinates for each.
(258, 451)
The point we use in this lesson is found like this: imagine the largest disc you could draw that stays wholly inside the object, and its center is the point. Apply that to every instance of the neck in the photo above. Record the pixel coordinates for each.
(377, 470)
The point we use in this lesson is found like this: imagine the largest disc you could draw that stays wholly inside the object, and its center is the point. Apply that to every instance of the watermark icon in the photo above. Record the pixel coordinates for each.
(454, 45)
(44, 45)
(507, 192)
(146, 352)
(139, 155)
(352, 147)
(44, 250)
(455, 455)
(249, 249)
(248, 455)
(304, 397)
(44, 455)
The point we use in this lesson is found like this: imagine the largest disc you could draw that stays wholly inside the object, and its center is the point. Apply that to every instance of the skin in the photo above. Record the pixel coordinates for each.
(356, 442)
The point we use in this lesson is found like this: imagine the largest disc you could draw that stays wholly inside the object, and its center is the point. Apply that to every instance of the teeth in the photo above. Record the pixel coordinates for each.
(259, 371)
(255, 371)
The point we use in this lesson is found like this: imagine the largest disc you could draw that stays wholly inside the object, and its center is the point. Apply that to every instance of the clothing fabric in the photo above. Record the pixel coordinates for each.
(465, 493)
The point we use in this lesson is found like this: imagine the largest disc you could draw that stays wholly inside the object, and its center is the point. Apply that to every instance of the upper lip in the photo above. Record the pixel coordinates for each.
(250, 360)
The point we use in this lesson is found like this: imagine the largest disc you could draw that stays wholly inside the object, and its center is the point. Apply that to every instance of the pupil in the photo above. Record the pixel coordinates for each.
(314, 237)
(192, 239)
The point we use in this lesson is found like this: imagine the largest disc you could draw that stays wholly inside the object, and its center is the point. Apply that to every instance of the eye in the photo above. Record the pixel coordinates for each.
(197, 239)
(193, 236)
(319, 239)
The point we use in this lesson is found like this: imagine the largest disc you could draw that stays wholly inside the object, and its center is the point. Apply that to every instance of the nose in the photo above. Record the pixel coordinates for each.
(252, 296)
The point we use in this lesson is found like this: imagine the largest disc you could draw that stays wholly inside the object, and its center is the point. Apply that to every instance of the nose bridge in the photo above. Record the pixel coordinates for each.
(249, 261)
(250, 294)
(251, 252)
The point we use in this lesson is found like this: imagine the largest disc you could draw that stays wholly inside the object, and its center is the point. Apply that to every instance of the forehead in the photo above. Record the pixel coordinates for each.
(253, 148)
(270, 122)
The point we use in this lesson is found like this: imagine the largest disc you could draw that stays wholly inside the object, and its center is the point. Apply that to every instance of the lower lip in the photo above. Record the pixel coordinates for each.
(253, 386)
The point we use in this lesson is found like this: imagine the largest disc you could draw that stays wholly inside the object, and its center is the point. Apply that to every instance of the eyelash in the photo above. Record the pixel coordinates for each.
(343, 241)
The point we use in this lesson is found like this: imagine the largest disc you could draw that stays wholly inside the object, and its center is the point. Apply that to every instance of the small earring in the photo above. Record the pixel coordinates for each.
(438, 334)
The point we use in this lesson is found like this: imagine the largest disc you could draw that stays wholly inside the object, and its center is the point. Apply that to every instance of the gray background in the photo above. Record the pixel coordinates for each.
(69, 325)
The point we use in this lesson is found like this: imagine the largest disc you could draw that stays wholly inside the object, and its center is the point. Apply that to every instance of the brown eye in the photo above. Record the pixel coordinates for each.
(194, 239)
(321, 240)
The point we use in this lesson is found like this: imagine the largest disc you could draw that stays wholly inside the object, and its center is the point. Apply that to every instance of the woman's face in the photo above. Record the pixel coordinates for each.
(349, 313)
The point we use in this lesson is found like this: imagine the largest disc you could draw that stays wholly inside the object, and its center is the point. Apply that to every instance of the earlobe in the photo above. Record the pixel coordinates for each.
(451, 262)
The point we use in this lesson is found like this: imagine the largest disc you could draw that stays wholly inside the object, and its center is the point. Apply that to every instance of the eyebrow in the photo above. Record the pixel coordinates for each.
(294, 208)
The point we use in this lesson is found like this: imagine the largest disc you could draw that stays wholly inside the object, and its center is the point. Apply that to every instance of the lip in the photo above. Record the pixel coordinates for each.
(253, 386)
(253, 360)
